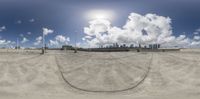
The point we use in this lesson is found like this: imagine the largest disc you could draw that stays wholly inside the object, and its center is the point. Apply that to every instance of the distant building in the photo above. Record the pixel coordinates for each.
(132, 46)
(67, 47)
(154, 46)
(115, 45)
(17, 47)
(100, 46)
(124, 45)
(139, 45)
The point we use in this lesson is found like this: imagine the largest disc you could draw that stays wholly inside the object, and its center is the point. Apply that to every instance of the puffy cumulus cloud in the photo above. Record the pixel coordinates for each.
(24, 40)
(53, 43)
(196, 41)
(97, 26)
(47, 31)
(62, 39)
(180, 41)
(38, 40)
(5, 42)
(139, 29)
(196, 38)
(2, 28)
(195, 44)
(97, 32)
(59, 40)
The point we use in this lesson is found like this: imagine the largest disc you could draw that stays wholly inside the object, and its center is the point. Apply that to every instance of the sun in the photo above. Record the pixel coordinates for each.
(100, 14)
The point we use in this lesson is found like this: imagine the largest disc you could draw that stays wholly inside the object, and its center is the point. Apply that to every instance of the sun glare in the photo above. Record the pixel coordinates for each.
(100, 14)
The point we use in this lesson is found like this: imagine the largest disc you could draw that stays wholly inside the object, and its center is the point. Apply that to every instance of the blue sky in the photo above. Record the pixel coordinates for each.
(67, 16)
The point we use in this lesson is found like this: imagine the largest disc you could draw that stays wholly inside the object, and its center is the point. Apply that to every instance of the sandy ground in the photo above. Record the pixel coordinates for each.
(110, 75)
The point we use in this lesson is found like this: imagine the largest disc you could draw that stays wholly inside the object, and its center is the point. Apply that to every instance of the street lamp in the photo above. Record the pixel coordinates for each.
(43, 43)
(75, 48)
(17, 44)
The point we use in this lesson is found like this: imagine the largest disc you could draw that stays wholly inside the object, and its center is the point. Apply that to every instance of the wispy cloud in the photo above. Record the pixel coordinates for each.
(29, 33)
(32, 20)
(19, 21)
(2, 28)
(21, 35)
(197, 31)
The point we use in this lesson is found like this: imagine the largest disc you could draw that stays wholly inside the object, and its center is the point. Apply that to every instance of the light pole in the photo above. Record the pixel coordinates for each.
(43, 43)
(75, 49)
(17, 44)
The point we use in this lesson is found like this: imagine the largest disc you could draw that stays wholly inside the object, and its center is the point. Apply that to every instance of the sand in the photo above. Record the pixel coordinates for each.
(96, 75)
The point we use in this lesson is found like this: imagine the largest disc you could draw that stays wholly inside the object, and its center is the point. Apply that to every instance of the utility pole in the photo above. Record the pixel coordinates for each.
(89, 48)
(75, 48)
(43, 44)
(17, 44)
(191, 42)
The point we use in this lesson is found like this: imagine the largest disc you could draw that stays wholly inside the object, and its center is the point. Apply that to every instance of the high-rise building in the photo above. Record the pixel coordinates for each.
(154, 46)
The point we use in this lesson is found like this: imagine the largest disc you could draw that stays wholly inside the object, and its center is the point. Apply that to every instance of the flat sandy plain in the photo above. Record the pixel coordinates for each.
(99, 75)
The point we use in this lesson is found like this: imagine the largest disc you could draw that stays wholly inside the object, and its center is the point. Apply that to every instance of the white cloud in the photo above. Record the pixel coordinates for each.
(2, 28)
(196, 38)
(5, 42)
(47, 31)
(139, 29)
(86, 37)
(38, 40)
(29, 33)
(32, 20)
(21, 35)
(62, 39)
(83, 39)
(97, 26)
(53, 43)
(82, 45)
(198, 30)
(196, 33)
(59, 40)
(24, 40)
(195, 43)
(19, 21)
